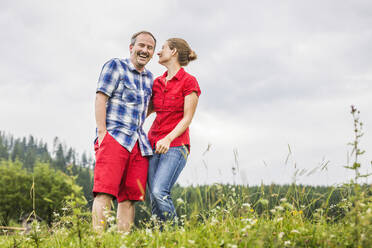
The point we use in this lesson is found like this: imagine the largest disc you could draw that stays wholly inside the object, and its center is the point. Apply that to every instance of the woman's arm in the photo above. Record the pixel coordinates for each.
(150, 108)
(191, 101)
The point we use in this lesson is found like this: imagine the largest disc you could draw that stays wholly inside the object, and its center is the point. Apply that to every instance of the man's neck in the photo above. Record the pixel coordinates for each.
(137, 67)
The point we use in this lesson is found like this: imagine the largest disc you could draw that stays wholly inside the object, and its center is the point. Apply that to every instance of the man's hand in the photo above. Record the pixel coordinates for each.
(101, 135)
(162, 146)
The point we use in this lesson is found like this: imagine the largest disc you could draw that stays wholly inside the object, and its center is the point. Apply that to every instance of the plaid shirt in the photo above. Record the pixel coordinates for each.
(129, 94)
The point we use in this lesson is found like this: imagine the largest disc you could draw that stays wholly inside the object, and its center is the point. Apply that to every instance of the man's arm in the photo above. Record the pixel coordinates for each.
(100, 112)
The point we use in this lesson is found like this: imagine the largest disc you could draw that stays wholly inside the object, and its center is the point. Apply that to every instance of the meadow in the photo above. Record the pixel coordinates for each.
(218, 215)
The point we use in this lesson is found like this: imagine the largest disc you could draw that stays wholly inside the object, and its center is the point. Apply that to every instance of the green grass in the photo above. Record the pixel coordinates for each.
(228, 216)
(233, 222)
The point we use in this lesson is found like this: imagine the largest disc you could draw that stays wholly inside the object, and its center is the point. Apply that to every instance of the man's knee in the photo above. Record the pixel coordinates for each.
(103, 197)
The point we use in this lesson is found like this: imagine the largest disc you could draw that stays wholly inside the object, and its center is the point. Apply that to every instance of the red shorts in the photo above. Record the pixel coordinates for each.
(118, 172)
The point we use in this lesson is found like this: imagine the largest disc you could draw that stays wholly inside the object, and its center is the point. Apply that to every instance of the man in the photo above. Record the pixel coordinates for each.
(121, 146)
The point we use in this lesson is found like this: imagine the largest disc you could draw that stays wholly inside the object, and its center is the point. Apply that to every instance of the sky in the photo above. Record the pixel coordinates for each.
(277, 79)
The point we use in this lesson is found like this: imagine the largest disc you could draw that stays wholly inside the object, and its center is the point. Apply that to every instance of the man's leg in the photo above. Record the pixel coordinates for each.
(125, 215)
(101, 203)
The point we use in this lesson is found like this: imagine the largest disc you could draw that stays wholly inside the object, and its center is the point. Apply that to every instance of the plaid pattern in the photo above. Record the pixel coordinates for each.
(129, 94)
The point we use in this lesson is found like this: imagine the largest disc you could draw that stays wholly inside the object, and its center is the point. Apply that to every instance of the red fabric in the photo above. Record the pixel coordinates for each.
(118, 172)
(168, 101)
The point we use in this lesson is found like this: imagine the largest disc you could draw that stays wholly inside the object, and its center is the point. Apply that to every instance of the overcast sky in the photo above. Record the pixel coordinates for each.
(274, 75)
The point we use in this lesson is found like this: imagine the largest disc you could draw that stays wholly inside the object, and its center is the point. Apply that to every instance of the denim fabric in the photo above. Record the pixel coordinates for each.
(163, 172)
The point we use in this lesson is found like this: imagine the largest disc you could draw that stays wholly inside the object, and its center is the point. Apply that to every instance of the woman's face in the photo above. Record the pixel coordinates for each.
(165, 54)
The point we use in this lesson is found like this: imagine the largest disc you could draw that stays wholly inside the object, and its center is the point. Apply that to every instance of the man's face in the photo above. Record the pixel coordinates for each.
(141, 52)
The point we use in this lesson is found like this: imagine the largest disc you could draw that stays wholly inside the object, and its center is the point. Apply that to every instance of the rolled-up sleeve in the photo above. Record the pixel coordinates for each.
(191, 85)
(108, 78)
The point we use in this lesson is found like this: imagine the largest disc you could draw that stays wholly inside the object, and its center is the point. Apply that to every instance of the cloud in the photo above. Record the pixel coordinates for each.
(272, 74)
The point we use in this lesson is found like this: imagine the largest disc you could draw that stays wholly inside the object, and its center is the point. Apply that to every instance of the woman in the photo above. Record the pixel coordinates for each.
(175, 97)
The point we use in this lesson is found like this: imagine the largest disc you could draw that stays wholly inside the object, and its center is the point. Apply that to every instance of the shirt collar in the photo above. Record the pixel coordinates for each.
(178, 75)
(133, 69)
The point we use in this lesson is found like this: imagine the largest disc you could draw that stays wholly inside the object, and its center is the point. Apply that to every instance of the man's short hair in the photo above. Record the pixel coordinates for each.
(134, 37)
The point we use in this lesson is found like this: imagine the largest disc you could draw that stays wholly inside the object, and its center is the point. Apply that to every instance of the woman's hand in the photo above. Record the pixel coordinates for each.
(162, 146)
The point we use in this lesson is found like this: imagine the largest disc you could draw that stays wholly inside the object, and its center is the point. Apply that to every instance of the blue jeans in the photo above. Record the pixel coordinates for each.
(163, 172)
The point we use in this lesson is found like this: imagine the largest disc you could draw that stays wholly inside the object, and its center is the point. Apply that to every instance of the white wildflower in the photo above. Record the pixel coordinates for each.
(280, 235)
(280, 208)
(191, 241)
(246, 205)
(180, 201)
(295, 231)
(283, 199)
(287, 242)
(148, 232)
(279, 219)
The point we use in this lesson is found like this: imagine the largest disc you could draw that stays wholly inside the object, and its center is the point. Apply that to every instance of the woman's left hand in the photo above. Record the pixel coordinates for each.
(162, 146)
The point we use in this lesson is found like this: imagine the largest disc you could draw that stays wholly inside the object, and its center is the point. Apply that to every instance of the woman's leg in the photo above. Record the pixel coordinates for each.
(168, 169)
(153, 166)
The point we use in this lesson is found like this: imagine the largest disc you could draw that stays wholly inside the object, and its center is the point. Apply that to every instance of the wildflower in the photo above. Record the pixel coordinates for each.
(252, 210)
(280, 208)
(287, 242)
(180, 201)
(295, 231)
(272, 211)
(191, 241)
(102, 222)
(111, 219)
(64, 209)
(232, 246)
(246, 205)
(300, 212)
(280, 235)
(148, 232)
(244, 229)
(279, 219)
(283, 199)
(214, 220)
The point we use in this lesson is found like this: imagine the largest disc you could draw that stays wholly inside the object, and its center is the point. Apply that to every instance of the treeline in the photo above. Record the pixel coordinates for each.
(58, 171)
(29, 151)
(44, 191)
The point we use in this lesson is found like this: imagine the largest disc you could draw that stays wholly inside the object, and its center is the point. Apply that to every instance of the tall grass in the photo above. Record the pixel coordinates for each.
(218, 215)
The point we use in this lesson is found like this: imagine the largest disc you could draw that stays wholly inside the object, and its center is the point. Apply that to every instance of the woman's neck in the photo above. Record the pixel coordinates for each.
(172, 70)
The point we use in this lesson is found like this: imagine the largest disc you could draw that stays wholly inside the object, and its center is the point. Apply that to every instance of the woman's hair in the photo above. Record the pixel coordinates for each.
(185, 54)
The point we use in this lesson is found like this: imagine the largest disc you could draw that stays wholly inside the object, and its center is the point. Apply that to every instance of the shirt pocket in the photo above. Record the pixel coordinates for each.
(130, 93)
(173, 103)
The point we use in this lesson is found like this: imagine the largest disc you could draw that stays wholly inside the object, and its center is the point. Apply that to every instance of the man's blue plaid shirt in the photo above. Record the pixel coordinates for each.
(129, 94)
